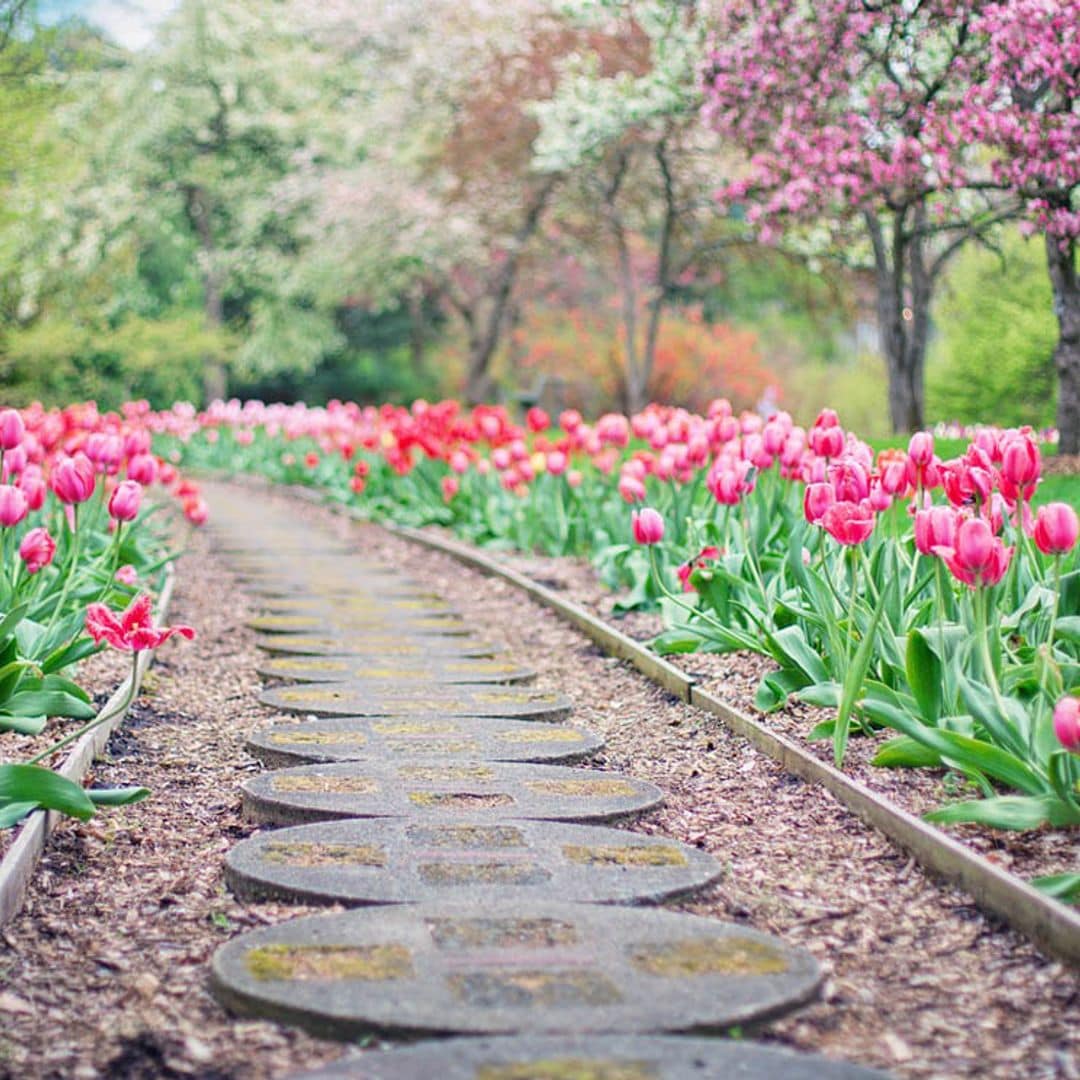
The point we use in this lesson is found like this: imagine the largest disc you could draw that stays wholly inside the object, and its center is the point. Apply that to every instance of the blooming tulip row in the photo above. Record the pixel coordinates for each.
(899, 589)
(76, 541)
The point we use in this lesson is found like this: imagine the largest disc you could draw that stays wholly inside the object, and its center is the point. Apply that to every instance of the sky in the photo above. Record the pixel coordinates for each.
(128, 22)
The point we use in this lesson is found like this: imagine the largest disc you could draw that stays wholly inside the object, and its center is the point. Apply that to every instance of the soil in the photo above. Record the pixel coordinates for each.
(105, 972)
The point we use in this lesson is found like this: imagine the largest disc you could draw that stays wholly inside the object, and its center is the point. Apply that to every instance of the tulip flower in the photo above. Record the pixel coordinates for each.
(74, 479)
(37, 549)
(935, 527)
(125, 501)
(1067, 722)
(647, 526)
(816, 500)
(126, 574)
(133, 631)
(698, 562)
(921, 449)
(13, 505)
(143, 469)
(631, 489)
(1021, 467)
(1056, 528)
(848, 523)
(450, 487)
(12, 429)
(977, 557)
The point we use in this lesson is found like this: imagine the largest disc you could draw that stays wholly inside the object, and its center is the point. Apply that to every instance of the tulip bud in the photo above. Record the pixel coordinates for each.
(73, 478)
(125, 500)
(921, 449)
(12, 429)
(1056, 528)
(37, 549)
(647, 526)
(1067, 722)
(13, 505)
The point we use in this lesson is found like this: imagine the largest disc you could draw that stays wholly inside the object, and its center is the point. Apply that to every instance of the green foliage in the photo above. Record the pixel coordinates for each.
(993, 359)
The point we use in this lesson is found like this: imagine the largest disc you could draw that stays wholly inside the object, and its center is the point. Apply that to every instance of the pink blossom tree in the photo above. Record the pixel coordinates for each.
(848, 113)
(1026, 110)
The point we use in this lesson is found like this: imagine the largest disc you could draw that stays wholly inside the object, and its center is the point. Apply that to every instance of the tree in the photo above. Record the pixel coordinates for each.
(1027, 111)
(848, 111)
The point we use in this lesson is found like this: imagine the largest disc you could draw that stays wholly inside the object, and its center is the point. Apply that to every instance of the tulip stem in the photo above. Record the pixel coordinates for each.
(98, 720)
(70, 567)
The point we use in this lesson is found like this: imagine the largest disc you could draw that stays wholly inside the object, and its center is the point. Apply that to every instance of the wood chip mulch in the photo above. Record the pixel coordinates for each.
(105, 972)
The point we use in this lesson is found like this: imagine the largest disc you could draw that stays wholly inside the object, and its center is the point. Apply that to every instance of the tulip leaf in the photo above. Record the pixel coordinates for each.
(854, 678)
(904, 752)
(13, 813)
(12, 619)
(924, 675)
(825, 695)
(1060, 886)
(1003, 729)
(24, 725)
(1014, 812)
(32, 783)
(790, 648)
(119, 796)
(1068, 628)
(48, 703)
(676, 641)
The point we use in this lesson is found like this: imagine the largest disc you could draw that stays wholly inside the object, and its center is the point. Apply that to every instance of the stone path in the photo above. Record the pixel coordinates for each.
(482, 912)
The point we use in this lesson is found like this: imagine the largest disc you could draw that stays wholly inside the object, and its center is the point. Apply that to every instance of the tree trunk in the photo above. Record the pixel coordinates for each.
(663, 272)
(1061, 262)
(487, 327)
(215, 377)
(903, 321)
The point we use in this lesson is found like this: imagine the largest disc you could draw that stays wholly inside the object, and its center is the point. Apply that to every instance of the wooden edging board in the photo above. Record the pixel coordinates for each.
(1051, 925)
(18, 865)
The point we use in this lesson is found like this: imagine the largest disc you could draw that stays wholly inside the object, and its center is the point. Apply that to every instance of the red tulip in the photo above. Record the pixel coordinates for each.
(647, 526)
(1067, 722)
(1056, 528)
(848, 522)
(37, 549)
(133, 631)
(537, 420)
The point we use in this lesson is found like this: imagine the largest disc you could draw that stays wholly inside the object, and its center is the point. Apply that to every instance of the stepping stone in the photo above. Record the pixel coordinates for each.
(590, 1057)
(429, 669)
(439, 969)
(444, 792)
(398, 861)
(397, 604)
(442, 738)
(376, 646)
(342, 622)
(382, 699)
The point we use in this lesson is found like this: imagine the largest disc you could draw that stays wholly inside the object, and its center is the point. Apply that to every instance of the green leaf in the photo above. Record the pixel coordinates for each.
(24, 725)
(12, 619)
(791, 649)
(773, 690)
(1060, 886)
(676, 641)
(1002, 729)
(32, 783)
(119, 796)
(825, 695)
(13, 813)
(69, 654)
(48, 703)
(903, 752)
(854, 678)
(1068, 628)
(1015, 812)
(925, 676)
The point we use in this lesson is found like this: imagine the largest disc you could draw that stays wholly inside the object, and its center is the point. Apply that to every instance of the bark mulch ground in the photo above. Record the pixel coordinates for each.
(104, 974)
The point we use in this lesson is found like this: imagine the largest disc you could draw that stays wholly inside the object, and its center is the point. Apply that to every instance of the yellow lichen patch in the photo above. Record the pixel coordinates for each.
(489, 873)
(303, 854)
(437, 623)
(286, 620)
(582, 788)
(384, 673)
(435, 773)
(466, 836)
(431, 746)
(569, 1069)
(492, 933)
(630, 855)
(458, 800)
(369, 963)
(486, 667)
(541, 735)
(325, 785)
(290, 667)
(513, 697)
(415, 727)
(318, 738)
(297, 642)
(710, 956)
(309, 695)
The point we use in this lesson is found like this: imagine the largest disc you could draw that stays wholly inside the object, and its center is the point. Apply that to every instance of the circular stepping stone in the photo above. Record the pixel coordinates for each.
(342, 623)
(418, 604)
(443, 738)
(552, 968)
(590, 1057)
(380, 699)
(444, 791)
(378, 646)
(399, 861)
(431, 669)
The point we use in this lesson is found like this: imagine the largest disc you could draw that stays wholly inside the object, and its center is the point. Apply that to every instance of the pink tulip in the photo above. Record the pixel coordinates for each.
(74, 479)
(977, 557)
(1067, 722)
(848, 522)
(37, 549)
(849, 479)
(647, 526)
(143, 469)
(1021, 467)
(556, 463)
(816, 500)
(125, 501)
(12, 429)
(15, 461)
(935, 527)
(575, 478)
(450, 487)
(631, 489)
(126, 574)
(1056, 528)
(13, 505)
(921, 449)
(33, 487)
